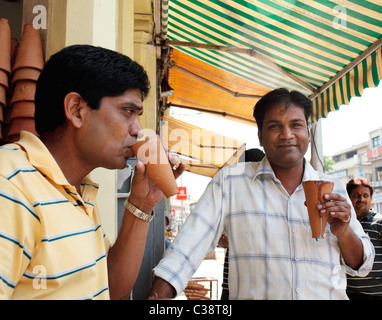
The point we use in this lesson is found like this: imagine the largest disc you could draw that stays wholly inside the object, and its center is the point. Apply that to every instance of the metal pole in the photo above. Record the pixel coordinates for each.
(317, 157)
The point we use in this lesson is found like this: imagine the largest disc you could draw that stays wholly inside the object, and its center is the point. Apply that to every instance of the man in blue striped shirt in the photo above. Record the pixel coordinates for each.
(361, 195)
(52, 246)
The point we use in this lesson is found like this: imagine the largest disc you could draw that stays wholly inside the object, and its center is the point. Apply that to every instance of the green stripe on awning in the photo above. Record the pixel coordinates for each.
(366, 74)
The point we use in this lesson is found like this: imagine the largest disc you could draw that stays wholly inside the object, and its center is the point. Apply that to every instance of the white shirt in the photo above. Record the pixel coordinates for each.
(272, 254)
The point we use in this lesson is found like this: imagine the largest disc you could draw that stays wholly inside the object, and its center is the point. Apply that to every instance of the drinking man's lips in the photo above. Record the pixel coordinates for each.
(129, 150)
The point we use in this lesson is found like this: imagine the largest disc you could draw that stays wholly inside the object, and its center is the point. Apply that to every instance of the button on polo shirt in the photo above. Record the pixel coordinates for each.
(51, 241)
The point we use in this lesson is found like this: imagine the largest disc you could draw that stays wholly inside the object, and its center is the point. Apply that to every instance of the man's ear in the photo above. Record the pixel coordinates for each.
(73, 104)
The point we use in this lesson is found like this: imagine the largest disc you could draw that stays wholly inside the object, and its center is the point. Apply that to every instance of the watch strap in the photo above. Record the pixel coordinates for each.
(137, 212)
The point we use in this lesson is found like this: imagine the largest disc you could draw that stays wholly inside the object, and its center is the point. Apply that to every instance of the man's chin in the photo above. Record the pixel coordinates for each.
(123, 164)
(120, 165)
(362, 210)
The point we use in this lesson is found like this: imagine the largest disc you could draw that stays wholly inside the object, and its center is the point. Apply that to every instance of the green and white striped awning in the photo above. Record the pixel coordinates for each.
(328, 50)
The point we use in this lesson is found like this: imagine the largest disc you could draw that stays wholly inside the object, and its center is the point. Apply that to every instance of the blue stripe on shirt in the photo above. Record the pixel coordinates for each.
(67, 272)
(20, 202)
(69, 234)
(15, 172)
(49, 202)
(96, 294)
(8, 282)
(26, 252)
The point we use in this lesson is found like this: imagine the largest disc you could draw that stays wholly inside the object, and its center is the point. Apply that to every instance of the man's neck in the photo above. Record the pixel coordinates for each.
(67, 158)
(290, 178)
(361, 215)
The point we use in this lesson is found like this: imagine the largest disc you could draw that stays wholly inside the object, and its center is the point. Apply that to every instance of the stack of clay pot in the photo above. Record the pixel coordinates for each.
(5, 66)
(196, 291)
(25, 72)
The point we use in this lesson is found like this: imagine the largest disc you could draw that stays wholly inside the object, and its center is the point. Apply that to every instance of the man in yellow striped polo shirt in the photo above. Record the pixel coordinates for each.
(52, 245)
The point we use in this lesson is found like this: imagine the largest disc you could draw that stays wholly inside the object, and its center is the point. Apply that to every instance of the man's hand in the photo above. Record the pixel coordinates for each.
(161, 290)
(339, 212)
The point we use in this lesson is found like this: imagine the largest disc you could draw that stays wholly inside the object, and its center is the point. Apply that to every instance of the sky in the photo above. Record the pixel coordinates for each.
(353, 122)
(348, 126)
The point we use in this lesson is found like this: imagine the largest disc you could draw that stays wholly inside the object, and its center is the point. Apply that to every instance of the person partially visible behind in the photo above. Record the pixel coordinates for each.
(361, 195)
(168, 233)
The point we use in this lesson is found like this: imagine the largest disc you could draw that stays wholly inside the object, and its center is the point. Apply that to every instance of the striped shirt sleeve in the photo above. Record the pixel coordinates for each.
(19, 233)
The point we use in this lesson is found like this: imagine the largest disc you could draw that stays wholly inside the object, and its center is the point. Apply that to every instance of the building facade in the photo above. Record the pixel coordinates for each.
(374, 155)
(363, 160)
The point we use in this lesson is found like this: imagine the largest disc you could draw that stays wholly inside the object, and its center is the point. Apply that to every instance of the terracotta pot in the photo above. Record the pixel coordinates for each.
(4, 78)
(152, 154)
(24, 91)
(25, 74)
(314, 194)
(5, 45)
(20, 124)
(29, 52)
(23, 109)
(3, 95)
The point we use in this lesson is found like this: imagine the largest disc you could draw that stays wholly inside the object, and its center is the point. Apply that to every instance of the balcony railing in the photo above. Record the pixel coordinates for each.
(354, 161)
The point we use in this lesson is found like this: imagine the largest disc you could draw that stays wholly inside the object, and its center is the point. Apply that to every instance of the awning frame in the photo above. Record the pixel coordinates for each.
(250, 52)
(203, 152)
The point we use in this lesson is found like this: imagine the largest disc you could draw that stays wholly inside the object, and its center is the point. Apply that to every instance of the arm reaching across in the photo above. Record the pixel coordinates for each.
(125, 257)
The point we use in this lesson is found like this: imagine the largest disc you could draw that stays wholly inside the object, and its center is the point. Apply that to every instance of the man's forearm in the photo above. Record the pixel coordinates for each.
(351, 248)
(161, 289)
(125, 256)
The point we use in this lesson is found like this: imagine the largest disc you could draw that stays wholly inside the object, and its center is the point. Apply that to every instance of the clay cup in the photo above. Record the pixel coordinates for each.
(153, 156)
(314, 194)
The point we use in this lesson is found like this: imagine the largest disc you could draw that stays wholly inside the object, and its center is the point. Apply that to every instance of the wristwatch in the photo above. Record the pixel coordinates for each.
(138, 213)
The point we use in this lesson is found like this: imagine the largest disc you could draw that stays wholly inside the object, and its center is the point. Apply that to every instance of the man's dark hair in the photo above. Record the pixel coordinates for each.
(92, 72)
(354, 183)
(278, 96)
